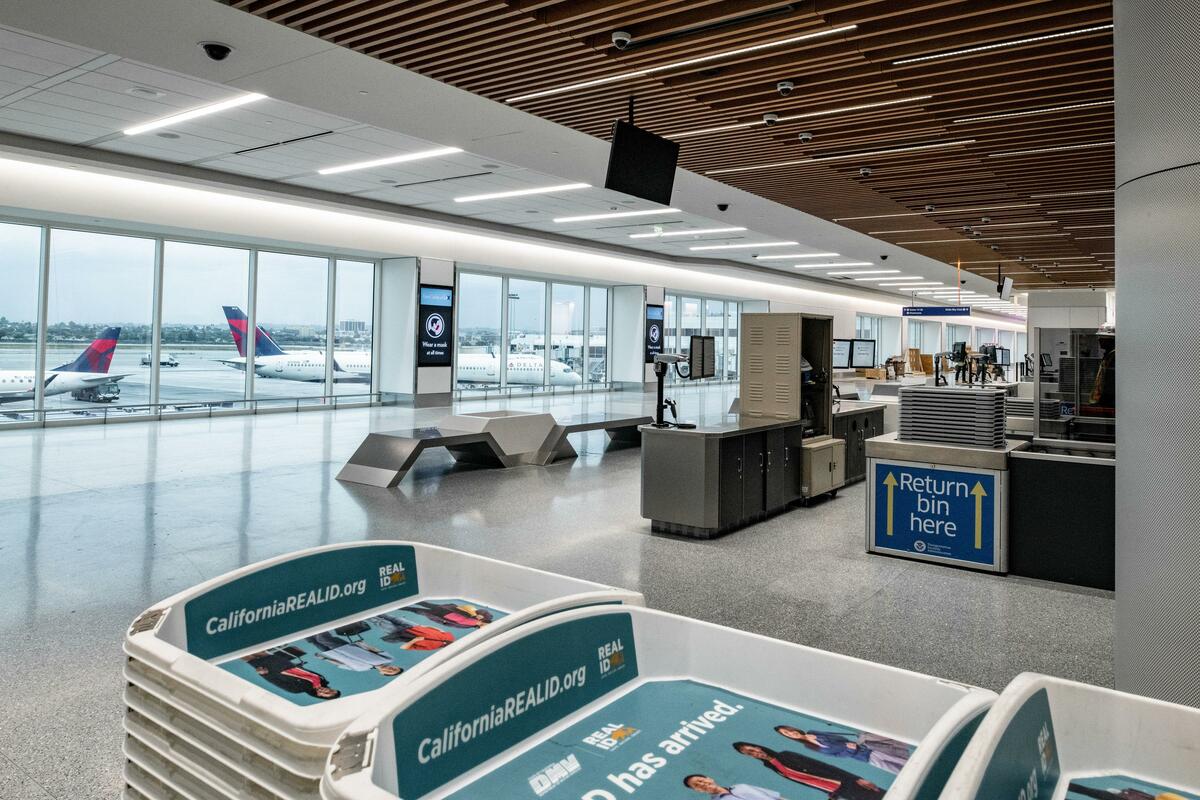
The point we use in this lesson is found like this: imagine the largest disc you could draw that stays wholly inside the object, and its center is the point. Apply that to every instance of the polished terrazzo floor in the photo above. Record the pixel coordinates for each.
(98, 522)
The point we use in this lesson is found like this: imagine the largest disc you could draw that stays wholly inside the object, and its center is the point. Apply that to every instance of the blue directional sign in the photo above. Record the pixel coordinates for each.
(936, 311)
(934, 514)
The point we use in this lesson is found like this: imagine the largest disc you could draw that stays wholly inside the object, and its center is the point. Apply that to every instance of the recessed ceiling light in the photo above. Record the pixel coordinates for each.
(144, 91)
(1089, 238)
(193, 113)
(792, 117)
(934, 213)
(618, 214)
(1084, 227)
(388, 181)
(864, 272)
(1033, 111)
(1085, 210)
(562, 187)
(742, 246)
(677, 64)
(835, 265)
(383, 162)
(490, 166)
(690, 232)
(1013, 43)
(1058, 149)
(167, 135)
(823, 159)
(797, 255)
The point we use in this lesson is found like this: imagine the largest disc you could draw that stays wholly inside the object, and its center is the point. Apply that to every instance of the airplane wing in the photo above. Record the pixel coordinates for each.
(236, 363)
(97, 380)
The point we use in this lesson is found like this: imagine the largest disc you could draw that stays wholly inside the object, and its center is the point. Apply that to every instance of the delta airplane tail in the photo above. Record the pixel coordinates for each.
(264, 345)
(98, 355)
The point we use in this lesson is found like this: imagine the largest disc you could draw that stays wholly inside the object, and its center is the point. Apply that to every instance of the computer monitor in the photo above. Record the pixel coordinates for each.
(702, 357)
(862, 354)
(841, 353)
(1003, 356)
(1047, 362)
(959, 351)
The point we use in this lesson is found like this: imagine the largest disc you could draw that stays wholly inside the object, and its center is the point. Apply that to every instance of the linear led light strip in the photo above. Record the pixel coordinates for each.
(193, 113)
(934, 213)
(1086, 210)
(901, 278)
(571, 87)
(1083, 227)
(737, 126)
(562, 187)
(1033, 111)
(618, 215)
(1073, 194)
(692, 232)
(797, 255)
(1058, 149)
(939, 230)
(911, 285)
(742, 245)
(1013, 43)
(864, 272)
(823, 159)
(835, 265)
(383, 162)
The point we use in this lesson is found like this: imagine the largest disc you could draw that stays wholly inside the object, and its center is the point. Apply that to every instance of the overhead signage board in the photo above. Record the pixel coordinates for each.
(937, 311)
(435, 326)
(953, 516)
(654, 331)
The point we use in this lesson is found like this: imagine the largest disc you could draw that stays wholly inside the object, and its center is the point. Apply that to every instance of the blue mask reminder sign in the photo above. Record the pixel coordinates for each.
(936, 514)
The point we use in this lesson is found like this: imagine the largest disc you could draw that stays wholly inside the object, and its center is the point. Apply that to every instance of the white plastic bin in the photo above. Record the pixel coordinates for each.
(609, 703)
(1051, 739)
(238, 687)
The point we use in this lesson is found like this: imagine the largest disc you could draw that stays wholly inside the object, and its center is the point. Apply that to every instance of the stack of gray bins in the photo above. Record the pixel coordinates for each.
(1023, 407)
(955, 416)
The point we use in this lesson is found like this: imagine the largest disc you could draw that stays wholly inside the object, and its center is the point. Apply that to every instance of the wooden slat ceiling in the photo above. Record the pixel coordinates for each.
(1059, 217)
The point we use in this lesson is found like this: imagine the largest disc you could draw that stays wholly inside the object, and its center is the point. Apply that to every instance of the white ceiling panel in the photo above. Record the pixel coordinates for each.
(15, 43)
(20, 121)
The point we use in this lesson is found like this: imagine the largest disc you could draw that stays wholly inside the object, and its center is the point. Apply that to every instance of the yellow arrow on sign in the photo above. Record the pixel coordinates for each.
(890, 482)
(979, 493)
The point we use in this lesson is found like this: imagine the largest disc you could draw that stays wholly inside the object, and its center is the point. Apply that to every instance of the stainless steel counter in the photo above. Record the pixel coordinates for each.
(890, 447)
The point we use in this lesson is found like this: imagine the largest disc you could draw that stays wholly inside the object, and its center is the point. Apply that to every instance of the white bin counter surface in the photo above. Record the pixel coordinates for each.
(239, 687)
(607, 703)
(1052, 739)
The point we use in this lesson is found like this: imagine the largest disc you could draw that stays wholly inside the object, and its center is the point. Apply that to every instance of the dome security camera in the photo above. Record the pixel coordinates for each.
(986, 220)
(866, 172)
(883, 257)
(621, 39)
(722, 206)
(216, 51)
(930, 207)
(770, 119)
(806, 137)
(785, 88)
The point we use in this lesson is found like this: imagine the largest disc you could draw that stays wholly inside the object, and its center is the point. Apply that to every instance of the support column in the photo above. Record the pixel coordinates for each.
(1158, 332)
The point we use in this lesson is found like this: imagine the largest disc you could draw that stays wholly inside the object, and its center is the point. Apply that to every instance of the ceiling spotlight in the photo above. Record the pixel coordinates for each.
(985, 220)
(930, 207)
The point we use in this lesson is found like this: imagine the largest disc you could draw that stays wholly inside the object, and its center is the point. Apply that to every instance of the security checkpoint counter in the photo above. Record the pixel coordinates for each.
(937, 502)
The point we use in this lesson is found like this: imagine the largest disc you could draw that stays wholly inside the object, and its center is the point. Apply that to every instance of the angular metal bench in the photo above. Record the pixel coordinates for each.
(383, 459)
(619, 429)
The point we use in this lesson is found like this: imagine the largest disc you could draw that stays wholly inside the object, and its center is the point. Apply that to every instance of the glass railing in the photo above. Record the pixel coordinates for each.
(100, 414)
(486, 392)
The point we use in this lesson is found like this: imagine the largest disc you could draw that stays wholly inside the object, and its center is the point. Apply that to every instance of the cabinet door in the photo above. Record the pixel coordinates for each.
(776, 487)
(754, 470)
(731, 478)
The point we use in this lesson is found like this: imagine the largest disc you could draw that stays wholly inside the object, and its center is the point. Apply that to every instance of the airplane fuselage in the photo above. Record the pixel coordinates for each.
(19, 385)
(522, 370)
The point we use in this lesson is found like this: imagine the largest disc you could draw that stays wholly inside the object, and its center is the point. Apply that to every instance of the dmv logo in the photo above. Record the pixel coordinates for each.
(611, 736)
(936, 512)
(612, 657)
(392, 575)
(545, 780)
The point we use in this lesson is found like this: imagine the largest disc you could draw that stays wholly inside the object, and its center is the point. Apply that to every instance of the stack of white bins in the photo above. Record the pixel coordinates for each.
(206, 719)
(955, 416)
(602, 703)
(1052, 738)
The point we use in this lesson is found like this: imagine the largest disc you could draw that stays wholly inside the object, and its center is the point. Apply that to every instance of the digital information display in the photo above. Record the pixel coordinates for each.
(435, 326)
(863, 356)
(654, 332)
(841, 353)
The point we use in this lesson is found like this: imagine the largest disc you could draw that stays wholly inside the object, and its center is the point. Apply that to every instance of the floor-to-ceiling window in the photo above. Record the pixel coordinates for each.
(479, 316)
(289, 359)
(732, 318)
(526, 364)
(691, 322)
(925, 336)
(958, 333)
(20, 265)
(714, 326)
(568, 344)
(99, 321)
(703, 316)
(203, 293)
(597, 363)
(984, 336)
(353, 323)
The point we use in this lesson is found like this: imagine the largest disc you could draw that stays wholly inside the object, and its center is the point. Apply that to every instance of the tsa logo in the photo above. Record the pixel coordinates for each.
(655, 334)
(435, 326)
(919, 546)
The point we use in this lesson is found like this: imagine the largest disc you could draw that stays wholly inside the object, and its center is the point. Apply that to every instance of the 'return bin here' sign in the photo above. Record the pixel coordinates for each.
(953, 515)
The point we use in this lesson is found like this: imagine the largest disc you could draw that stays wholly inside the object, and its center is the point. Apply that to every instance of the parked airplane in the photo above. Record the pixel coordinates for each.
(85, 377)
(523, 369)
(272, 361)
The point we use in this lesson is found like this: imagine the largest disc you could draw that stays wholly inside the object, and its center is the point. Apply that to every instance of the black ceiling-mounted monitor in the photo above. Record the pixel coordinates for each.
(841, 353)
(641, 164)
(702, 357)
